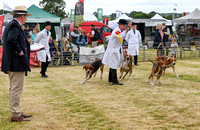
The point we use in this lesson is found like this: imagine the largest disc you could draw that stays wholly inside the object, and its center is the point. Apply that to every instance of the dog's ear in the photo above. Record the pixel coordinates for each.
(84, 67)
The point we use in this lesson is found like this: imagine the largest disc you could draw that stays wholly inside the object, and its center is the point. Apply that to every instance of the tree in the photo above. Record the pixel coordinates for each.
(56, 7)
(151, 14)
(95, 14)
(132, 14)
(141, 15)
(113, 16)
(169, 17)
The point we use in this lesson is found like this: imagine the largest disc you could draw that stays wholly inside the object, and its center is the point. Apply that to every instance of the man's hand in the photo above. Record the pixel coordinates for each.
(21, 53)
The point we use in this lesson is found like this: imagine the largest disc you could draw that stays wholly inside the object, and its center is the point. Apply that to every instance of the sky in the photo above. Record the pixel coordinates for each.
(125, 6)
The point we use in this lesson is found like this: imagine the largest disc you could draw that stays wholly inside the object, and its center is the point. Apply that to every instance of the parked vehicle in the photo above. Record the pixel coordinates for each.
(106, 31)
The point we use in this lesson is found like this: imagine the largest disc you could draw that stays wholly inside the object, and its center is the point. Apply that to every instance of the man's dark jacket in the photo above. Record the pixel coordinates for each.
(15, 41)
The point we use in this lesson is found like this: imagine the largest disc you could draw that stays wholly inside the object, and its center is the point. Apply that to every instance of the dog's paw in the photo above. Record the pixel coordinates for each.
(146, 81)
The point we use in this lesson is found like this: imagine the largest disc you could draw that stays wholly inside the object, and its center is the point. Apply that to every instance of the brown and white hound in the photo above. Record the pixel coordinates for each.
(157, 70)
(92, 69)
(169, 62)
(126, 66)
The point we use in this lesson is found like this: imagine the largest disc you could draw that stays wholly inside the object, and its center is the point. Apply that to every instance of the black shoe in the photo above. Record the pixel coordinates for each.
(136, 65)
(44, 76)
(117, 83)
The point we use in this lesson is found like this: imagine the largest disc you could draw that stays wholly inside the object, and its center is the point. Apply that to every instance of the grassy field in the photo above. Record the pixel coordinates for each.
(60, 102)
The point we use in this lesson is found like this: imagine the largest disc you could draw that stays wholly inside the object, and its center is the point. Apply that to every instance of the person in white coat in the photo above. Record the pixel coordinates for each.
(113, 56)
(44, 55)
(133, 38)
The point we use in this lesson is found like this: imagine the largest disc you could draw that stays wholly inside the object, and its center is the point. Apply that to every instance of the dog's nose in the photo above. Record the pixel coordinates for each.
(174, 63)
(88, 72)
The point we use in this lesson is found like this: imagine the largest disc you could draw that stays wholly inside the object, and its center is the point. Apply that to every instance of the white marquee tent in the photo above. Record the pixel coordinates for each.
(193, 17)
(113, 24)
(89, 17)
(159, 21)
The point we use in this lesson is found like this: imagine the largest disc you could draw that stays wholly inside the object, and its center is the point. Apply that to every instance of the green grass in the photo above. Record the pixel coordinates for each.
(61, 102)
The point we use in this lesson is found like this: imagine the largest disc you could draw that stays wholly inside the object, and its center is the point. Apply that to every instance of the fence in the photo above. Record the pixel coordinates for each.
(186, 50)
(62, 57)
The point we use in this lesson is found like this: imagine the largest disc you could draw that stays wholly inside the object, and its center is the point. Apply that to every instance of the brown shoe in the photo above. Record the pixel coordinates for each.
(25, 116)
(18, 119)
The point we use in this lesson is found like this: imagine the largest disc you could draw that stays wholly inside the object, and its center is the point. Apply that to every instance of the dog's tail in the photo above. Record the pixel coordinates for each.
(151, 61)
(157, 49)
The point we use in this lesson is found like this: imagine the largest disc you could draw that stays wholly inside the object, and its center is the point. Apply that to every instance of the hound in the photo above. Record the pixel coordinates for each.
(126, 66)
(92, 69)
(157, 70)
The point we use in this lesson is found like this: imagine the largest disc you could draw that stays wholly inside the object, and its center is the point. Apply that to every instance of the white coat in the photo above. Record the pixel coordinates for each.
(43, 39)
(112, 57)
(133, 40)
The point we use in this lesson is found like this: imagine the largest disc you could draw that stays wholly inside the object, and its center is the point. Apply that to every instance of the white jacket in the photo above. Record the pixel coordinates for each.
(43, 39)
(112, 57)
(133, 40)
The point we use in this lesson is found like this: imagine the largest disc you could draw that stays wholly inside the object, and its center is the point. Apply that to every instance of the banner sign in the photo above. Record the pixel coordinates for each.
(79, 12)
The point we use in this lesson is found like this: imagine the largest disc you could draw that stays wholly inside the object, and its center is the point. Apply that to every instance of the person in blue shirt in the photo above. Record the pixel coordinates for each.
(33, 34)
(82, 39)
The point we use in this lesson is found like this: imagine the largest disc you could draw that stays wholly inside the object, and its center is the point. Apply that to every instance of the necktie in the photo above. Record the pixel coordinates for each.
(134, 31)
(47, 33)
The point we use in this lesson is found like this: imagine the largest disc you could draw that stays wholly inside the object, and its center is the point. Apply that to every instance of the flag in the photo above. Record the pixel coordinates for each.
(6, 7)
(1, 23)
(118, 14)
(72, 14)
(99, 14)
(79, 12)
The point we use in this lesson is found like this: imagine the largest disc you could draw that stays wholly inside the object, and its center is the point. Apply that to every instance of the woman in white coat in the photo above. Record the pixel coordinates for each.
(113, 56)
(133, 38)
(44, 55)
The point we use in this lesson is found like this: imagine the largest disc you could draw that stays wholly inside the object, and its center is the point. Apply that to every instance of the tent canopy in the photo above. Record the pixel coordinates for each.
(40, 16)
(159, 18)
(113, 24)
(66, 21)
(192, 17)
(89, 17)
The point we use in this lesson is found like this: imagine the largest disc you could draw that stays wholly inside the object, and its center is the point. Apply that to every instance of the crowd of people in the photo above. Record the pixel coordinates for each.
(161, 38)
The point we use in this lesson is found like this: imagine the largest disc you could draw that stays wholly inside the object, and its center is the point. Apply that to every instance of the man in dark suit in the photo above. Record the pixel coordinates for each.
(15, 59)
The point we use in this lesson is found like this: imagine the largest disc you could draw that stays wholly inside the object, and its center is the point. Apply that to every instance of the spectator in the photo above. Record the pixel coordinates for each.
(158, 40)
(33, 35)
(67, 52)
(174, 47)
(26, 30)
(29, 39)
(23, 27)
(82, 39)
(166, 32)
(93, 35)
(54, 53)
(80, 30)
(181, 34)
(37, 28)
(74, 35)
(15, 60)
